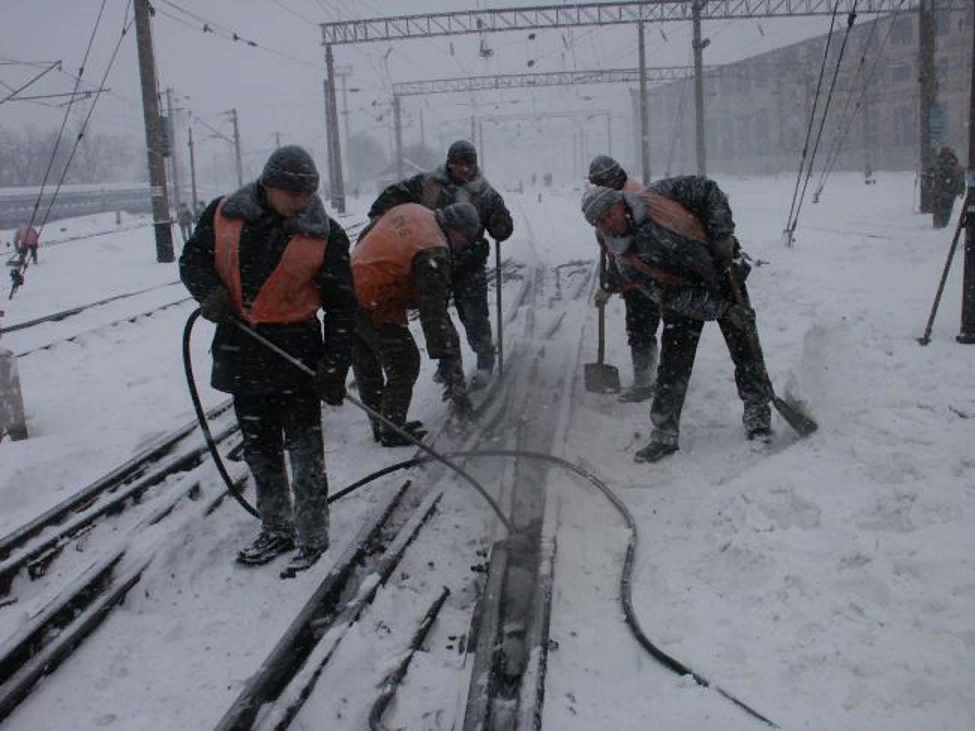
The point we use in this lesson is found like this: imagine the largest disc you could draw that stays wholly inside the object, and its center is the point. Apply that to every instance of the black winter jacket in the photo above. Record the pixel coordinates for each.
(240, 363)
(436, 189)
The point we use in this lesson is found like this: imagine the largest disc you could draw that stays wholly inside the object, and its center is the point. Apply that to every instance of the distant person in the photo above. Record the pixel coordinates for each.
(184, 217)
(642, 313)
(26, 242)
(948, 182)
(459, 180)
(270, 256)
(403, 261)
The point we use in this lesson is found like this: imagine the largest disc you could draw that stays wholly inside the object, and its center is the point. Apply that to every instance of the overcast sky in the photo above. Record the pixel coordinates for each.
(277, 86)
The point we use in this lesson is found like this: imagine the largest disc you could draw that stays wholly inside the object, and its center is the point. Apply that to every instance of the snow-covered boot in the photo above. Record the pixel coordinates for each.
(644, 375)
(266, 548)
(654, 452)
(413, 428)
(303, 560)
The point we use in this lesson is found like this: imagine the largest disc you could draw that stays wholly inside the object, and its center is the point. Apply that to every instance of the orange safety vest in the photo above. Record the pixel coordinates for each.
(382, 261)
(291, 294)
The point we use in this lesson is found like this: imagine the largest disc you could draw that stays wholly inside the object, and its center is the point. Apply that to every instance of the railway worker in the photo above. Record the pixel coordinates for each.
(948, 183)
(184, 217)
(26, 242)
(459, 180)
(403, 260)
(269, 255)
(675, 241)
(642, 313)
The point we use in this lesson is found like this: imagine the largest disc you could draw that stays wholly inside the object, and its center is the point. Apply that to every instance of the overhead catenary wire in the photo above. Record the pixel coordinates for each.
(822, 122)
(867, 82)
(790, 225)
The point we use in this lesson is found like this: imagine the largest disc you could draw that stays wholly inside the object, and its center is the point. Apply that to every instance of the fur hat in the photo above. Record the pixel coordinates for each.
(290, 168)
(597, 200)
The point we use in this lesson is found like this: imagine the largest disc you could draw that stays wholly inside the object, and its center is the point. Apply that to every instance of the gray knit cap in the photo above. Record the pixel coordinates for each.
(597, 200)
(604, 170)
(461, 217)
(290, 168)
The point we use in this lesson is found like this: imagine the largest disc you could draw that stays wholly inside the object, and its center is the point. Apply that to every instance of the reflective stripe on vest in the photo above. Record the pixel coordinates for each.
(290, 294)
(382, 261)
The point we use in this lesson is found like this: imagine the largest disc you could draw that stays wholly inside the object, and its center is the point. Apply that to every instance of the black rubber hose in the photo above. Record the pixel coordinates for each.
(202, 418)
(626, 591)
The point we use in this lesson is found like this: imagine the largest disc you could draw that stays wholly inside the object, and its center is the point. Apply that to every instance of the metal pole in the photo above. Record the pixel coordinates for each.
(698, 45)
(174, 161)
(967, 335)
(338, 187)
(480, 147)
(329, 147)
(398, 126)
(609, 134)
(344, 73)
(926, 98)
(240, 167)
(150, 107)
(192, 172)
(644, 112)
(277, 140)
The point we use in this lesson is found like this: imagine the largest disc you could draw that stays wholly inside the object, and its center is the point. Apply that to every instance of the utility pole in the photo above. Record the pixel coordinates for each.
(240, 167)
(423, 137)
(338, 187)
(698, 45)
(150, 109)
(277, 140)
(344, 72)
(927, 97)
(967, 334)
(609, 134)
(398, 133)
(480, 148)
(192, 172)
(174, 161)
(644, 112)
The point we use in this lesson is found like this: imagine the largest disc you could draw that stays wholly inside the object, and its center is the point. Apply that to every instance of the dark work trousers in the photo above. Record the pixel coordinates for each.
(271, 424)
(386, 363)
(642, 319)
(678, 349)
(941, 209)
(470, 298)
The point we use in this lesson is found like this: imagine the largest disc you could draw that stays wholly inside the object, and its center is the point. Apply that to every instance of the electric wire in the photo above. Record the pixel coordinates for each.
(822, 122)
(867, 82)
(790, 226)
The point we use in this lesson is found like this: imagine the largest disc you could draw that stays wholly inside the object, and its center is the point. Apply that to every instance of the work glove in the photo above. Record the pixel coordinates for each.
(743, 318)
(499, 225)
(601, 297)
(217, 307)
(329, 383)
(724, 248)
(455, 386)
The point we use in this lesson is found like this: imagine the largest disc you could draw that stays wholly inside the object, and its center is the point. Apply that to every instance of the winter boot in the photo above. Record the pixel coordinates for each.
(302, 561)
(485, 367)
(265, 549)
(644, 375)
(654, 452)
(761, 435)
(413, 428)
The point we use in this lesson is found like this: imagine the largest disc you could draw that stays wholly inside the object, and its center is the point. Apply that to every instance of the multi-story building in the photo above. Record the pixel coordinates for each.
(758, 109)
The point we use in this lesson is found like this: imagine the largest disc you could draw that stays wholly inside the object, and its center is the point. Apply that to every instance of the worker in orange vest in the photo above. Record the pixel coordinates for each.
(403, 261)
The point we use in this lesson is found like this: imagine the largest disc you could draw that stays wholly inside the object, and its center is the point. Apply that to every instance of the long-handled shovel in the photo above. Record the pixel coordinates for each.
(601, 377)
(803, 425)
(926, 338)
(497, 301)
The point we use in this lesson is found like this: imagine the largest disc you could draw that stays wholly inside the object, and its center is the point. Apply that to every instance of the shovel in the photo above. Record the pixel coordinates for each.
(601, 377)
(803, 425)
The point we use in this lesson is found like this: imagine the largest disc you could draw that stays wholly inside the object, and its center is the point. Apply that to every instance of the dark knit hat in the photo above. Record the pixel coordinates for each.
(461, 217)
(290, 168)
(597, 200)
(605, 171)
(462, 151)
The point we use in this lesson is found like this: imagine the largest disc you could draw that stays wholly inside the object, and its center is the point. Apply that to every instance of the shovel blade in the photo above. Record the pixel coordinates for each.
(602, 378)
(803, 425)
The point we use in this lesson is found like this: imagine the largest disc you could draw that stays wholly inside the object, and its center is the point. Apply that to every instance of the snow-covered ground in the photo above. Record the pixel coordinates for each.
(828, 583)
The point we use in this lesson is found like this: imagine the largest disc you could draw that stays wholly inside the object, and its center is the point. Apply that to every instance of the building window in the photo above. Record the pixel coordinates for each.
(902, 31)
(900, 73)
(941, 68)
(903, 126)
(942, 22)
